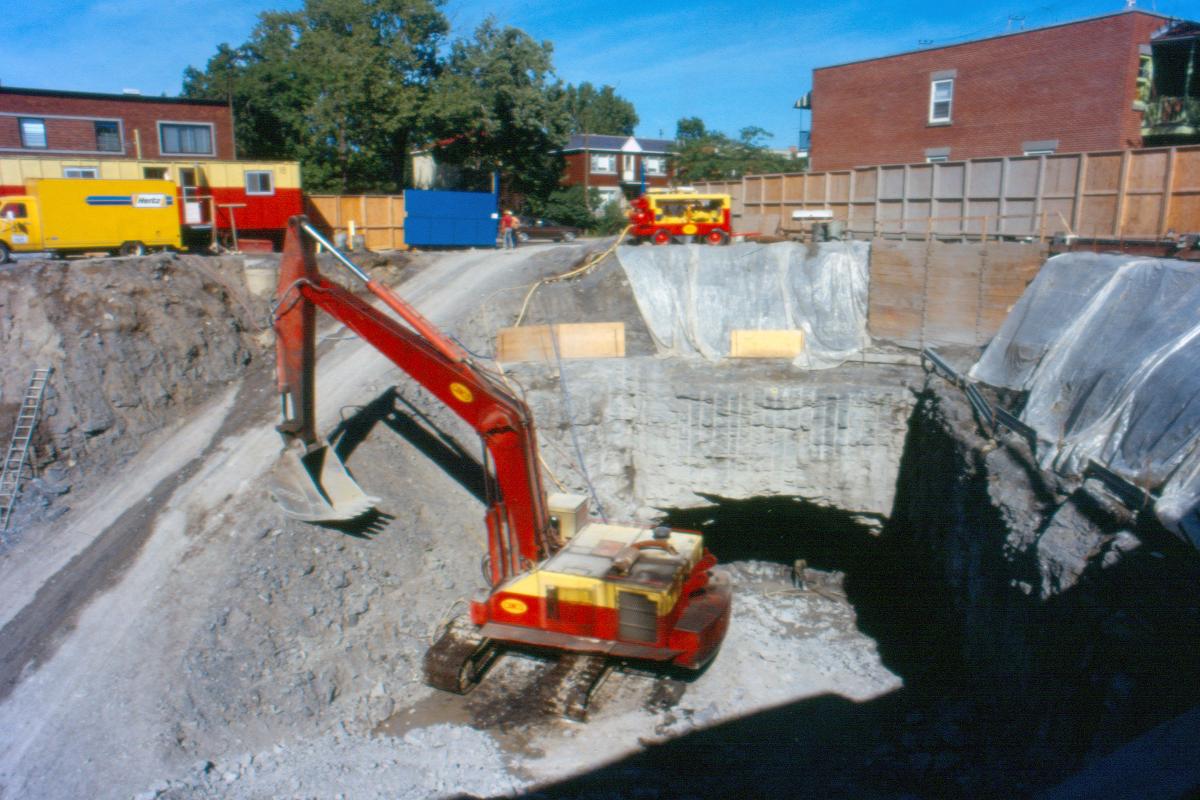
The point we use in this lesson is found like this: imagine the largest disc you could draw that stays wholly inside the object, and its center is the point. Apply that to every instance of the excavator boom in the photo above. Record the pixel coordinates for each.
(517, 519)
(559, 581)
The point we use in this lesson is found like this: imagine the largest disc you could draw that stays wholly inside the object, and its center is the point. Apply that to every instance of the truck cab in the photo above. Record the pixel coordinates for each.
(20, 230)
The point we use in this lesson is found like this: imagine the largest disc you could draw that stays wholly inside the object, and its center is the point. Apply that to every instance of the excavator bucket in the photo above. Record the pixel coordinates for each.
(310, 482)
(315, 487)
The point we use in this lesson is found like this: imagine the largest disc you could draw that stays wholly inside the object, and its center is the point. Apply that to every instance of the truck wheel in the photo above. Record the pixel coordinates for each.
(4, 253)
(132, 249)
(522, 236)
(569, 236)
(662, 236)
(717, 237)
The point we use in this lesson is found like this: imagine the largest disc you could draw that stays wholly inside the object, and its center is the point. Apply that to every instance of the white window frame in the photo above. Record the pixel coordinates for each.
(259, 172)
(81, 172)
(602, 163)
(655, 165)
(22, 122)
(936, 159)
(934, 118)
(212, 137)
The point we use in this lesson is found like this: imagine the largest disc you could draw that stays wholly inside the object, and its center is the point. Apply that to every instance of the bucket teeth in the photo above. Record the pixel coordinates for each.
(315, 487)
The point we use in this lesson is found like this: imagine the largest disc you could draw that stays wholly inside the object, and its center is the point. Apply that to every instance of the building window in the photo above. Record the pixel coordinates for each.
(1041, 147)
(941, 96)
(154, 173)
(604, 163)
(655, 165)
(259, 182)
(936, 159)
(81, 172)
(33, 132)
(108, 137)
(182, 139)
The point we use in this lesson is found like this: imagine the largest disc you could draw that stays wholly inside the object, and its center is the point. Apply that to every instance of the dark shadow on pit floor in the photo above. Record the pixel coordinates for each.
(948, 733)
(394, 411)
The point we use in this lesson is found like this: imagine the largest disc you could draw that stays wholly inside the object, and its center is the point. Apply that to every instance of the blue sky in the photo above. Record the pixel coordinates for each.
(732, 65)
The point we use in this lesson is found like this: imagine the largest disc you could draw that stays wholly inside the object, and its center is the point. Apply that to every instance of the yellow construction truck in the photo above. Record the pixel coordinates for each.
(76, 215)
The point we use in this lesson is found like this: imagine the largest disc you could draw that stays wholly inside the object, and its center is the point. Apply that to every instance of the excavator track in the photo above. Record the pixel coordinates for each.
(457, 660)
(568, 687)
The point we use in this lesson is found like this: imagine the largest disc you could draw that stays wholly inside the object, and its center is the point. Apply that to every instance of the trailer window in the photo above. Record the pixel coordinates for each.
(108, 137)
(33, 132)
(260, 182)
(13, 211)
(178, 138)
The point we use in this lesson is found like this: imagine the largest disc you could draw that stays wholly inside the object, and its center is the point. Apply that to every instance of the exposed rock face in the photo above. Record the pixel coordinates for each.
(666, 433)
(134, 343)
(1084, 615)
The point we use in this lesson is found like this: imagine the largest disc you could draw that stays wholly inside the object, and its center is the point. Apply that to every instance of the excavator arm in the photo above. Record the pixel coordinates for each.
(518, 523)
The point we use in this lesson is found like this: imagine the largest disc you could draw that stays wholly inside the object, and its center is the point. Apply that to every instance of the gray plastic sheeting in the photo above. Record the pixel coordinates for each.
(1108, 348)
(694, 296)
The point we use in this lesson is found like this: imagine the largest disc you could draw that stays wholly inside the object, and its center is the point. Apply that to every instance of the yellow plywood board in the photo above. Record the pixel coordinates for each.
(575, 340)
(766, 344)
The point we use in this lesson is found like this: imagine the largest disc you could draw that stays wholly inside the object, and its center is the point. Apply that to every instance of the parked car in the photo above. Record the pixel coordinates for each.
(533, 228)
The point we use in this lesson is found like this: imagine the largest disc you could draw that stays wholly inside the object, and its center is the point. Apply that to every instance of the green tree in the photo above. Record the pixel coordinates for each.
(342, 85)
(600, 111)
(704, 154)
(495, 112)
(568, 204)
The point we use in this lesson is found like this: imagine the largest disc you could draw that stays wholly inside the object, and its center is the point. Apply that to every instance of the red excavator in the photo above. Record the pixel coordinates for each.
(592, 592)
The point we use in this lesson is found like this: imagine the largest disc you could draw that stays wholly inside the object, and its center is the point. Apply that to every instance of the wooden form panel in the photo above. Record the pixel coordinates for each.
(952, 293)
(896, 303)
(575, 340)
(766, 344)
(1009, 267)
(946, 293)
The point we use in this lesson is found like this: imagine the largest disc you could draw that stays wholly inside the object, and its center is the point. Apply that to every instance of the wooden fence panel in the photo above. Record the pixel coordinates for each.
(379, 219)
(1130, 194)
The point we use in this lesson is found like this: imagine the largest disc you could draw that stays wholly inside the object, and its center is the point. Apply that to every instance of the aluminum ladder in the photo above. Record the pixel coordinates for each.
(18, 446)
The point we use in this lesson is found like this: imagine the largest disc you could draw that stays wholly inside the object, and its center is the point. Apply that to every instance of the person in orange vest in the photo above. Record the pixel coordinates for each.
(508, 228)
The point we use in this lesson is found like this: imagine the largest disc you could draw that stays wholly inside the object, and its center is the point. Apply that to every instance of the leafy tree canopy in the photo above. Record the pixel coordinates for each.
(711, 155)
(342, 85)
(593, 110)
(494, 110)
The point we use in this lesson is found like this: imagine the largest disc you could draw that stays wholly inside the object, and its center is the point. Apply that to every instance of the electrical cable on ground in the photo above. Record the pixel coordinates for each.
(577, 271)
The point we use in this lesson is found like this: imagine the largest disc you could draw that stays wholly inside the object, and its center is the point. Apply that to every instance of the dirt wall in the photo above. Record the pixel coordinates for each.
(1072, 618)
(135, 344)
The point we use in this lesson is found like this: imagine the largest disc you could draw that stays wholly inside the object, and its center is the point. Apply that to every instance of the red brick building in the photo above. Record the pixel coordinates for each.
(617, 166)
(1065, 88)
(44, 122)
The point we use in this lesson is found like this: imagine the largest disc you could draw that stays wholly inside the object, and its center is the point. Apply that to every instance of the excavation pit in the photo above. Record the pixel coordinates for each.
(932, 646)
